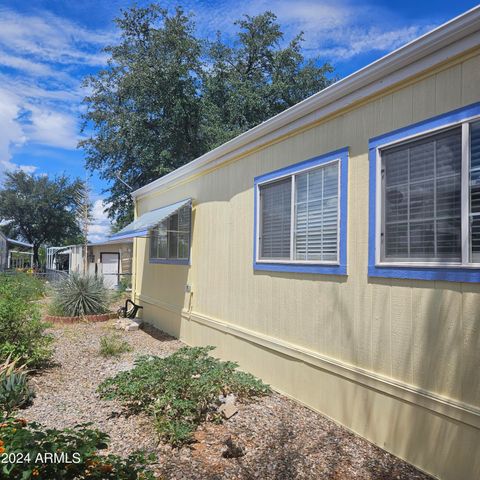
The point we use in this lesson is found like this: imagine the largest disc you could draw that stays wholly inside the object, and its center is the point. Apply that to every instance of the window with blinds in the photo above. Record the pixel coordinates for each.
(422, 196)
(299, 216)
(170, 240)
(475, 192)
(316, 214)
(276, 208)
(425, 218)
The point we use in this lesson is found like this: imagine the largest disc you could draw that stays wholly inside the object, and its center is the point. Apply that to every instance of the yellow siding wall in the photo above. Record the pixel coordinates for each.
(424, 335)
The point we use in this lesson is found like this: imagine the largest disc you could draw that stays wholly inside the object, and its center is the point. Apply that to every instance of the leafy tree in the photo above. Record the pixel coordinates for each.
(255, 79)
(145, 107)
(41, 210)
(167, 97)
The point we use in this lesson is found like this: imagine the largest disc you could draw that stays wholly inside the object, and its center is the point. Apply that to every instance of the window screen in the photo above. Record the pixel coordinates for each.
(314, 226)
(475, 192)
(316, 214)
(171, 239)
(422, 199)
(275, 201)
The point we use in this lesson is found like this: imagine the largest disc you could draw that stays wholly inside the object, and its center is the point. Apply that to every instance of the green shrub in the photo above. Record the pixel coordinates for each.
(26, 286)
(14, 389)
(70, 454)
(54, 309)
(113, 346)
(22, 332)
(78, 295)
(180, 391)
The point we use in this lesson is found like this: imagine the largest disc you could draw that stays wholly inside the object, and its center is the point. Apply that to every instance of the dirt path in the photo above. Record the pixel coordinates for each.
(279, 438)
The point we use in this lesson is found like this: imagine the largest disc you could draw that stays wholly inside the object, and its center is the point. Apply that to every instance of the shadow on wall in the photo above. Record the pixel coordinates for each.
(163, 291)
(323, 278)
(439, 355)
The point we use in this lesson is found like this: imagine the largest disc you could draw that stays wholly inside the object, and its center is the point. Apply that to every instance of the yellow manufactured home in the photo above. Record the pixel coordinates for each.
(334, 251)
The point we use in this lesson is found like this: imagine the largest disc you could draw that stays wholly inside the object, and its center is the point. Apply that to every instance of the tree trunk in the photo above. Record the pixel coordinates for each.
(36, 258)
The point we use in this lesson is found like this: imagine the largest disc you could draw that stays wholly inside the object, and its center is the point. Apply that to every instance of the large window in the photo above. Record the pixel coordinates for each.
(170, 240)
(298, 215)
(422, 199)
(425, 200)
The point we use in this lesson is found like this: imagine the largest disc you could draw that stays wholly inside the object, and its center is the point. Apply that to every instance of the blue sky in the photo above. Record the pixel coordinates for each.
(48, 46)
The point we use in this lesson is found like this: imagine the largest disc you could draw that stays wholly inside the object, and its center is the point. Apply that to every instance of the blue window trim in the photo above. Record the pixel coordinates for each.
(317, 268)
(452, 274)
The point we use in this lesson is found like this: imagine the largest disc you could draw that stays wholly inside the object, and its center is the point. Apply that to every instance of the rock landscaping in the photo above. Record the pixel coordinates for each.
(128, 324)
(270, 437)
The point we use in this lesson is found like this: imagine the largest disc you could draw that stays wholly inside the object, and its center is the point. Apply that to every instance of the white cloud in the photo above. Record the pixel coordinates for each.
(100, 226)
(23, 64)
(358, 41)
(334, 31)
(11, 133)
(27, 87)
(49, 38)
(40, 83)
(52, 128)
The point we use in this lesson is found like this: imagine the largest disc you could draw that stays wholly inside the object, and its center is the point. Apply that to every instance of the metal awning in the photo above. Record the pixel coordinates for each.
(141, 226)
(19, 244)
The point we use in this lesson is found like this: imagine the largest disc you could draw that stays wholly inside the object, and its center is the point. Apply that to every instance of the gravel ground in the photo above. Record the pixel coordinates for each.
(276, 438)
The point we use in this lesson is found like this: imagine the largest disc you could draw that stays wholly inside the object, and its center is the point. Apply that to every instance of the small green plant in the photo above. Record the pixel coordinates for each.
(14, 389)
(113, 346)
(70, 454)
(54, 309)
(26, 286)
(22, 332)
(79, 295)
(124, 284)
(180, 391)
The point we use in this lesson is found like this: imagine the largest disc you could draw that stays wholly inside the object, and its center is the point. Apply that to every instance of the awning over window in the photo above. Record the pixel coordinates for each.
(141, 226)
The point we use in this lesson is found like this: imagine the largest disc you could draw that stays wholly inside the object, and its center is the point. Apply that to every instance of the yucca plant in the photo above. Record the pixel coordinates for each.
(78, 295)
(14, 389)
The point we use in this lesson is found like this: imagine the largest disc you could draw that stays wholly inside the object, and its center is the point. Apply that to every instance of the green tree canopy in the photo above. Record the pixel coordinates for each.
(40, 210)
(256, 78)
(167, 96)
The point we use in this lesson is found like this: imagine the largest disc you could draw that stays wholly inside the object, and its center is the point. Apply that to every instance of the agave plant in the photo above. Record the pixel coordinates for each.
(14, 389)
(78, 295)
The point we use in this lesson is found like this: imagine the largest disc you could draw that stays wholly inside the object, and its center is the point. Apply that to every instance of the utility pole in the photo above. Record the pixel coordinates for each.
(84, 217)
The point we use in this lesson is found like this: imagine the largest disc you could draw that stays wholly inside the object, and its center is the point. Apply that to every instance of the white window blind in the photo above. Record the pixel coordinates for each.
(475, 192)
(170, 240)
(422, 199)
(301, 208)
(316, 214)
(275, 200)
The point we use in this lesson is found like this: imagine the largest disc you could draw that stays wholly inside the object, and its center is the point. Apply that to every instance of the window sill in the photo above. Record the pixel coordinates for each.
(446, 273)
(314, 268)
(168, 261)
